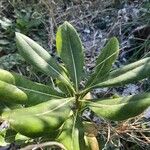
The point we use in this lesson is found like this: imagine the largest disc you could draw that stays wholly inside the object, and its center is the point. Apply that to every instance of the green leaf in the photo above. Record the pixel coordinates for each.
(125, 77)
(40, 58)
(2, 138)
(64, 88)
(10, 135)
(128, 74)
(69, 48)
(23, 83)
(129, 67)
(20, 139)
(72, 135)
(39, 120)
(33, 92)
(104, 62)
(120, 108)
(4, 106)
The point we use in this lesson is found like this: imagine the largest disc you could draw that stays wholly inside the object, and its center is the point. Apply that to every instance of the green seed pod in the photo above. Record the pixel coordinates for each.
(35, 92)
(10, 93)
(6, 76)
(24, 83)
(37, 126)
(42, 119)
(14, 95)
(121, 108)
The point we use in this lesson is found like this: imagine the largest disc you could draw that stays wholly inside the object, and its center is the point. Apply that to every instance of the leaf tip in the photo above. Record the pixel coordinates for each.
(114, 40)
(66, 23)
(17, 34)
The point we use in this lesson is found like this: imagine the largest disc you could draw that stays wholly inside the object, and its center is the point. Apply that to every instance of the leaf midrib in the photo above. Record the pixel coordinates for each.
(39, 92)
(102, 62)
(57, 107)
(112, 105)
(73, 61)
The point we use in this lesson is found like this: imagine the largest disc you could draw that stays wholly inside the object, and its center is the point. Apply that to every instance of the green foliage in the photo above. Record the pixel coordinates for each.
(26, 20)
(23, 18)
(55, 112)
(72, 135)
(127, 74)
(10, 60)
(120, 108)
(40, 119)
(38, 93)
(40, 58)
(104, 62)
(69, 44)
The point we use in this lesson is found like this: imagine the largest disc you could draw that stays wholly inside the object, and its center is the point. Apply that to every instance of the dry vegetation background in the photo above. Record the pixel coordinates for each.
(95, 21)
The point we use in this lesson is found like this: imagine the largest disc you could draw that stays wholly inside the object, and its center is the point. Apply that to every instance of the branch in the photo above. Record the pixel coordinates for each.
(36, 146)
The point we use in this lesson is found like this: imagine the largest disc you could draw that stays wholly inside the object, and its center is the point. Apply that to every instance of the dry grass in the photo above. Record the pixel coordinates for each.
(131, 134)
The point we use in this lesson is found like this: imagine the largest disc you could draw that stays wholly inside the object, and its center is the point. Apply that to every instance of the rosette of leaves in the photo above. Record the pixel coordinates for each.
(55, 112)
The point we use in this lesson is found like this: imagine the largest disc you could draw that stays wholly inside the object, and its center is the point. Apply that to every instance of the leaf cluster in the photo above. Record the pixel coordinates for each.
(56, 111)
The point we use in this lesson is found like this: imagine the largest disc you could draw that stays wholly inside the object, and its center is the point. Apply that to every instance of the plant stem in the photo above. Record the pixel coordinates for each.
(77, 103)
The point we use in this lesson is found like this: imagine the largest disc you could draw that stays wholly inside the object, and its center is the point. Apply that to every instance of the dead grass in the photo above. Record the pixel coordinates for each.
(127, 134)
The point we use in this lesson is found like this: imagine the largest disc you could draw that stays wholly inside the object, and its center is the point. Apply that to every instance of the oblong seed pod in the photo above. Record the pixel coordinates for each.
(10, 93)
(6, 76)
(23, 82)
(35, 92)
